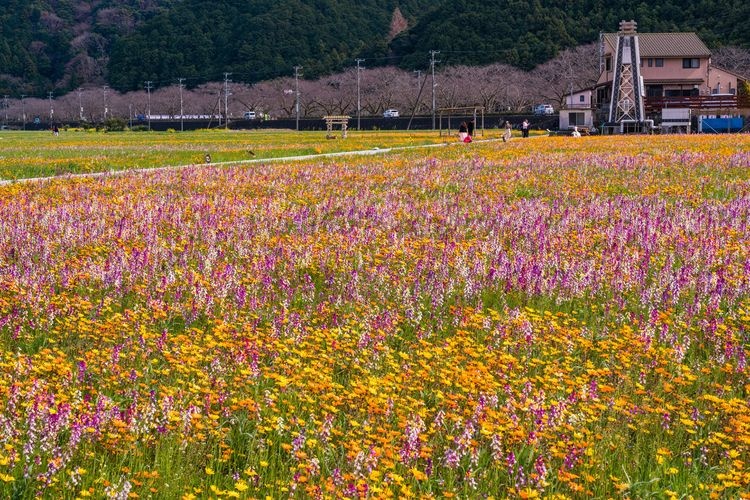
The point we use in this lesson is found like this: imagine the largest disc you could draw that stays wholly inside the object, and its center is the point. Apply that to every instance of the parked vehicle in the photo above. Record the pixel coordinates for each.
(249, 115)
(544, 109)
(390, 113)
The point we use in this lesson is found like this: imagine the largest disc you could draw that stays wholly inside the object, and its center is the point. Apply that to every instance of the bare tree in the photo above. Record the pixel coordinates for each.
(336, 94)
(249, 98)
(734, 59)
(380, 89)
(573, 69)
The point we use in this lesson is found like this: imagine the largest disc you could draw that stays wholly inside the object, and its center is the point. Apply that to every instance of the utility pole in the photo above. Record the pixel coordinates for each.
(5, 105)
(218, 103)
(418, 72)
(23, 109)
(80, 105)
(148, 90)
(182, 124)
(51, 111)
(226, 100)
(359, 102)
(433, 53)
(296, 91)
(104, 99)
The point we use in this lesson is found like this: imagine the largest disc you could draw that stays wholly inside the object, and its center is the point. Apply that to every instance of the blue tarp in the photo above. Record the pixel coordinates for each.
(721, 125)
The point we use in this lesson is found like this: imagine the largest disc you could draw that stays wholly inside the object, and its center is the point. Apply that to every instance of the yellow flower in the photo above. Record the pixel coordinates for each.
(418, 475)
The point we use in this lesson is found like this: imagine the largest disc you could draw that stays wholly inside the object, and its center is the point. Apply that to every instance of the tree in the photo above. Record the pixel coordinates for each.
(734, 59)
(572, 70)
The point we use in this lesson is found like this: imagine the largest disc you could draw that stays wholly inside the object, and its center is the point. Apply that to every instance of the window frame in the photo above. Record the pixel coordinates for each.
(691, 63)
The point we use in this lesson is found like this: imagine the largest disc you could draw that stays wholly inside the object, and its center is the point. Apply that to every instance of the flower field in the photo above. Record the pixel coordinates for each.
(548, 317)
(40, 154)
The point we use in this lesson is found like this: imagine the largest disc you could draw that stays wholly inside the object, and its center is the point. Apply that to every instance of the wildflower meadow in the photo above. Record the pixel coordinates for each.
(548, 317)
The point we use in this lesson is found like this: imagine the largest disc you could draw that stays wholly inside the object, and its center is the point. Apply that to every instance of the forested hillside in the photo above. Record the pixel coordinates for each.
(58, 45)
(525, 34)
(256, 40)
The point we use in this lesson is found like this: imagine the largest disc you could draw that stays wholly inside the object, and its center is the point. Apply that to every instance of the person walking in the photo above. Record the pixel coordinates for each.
(525, 128)
(508, 131)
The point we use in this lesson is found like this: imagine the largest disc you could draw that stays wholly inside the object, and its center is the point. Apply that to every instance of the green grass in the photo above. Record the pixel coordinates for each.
(26, 155)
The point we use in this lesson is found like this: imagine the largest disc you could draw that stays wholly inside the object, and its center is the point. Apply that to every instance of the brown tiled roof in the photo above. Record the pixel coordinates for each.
(667, 44)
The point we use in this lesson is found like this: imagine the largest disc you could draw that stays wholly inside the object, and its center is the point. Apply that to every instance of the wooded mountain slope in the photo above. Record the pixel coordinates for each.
(58, 45)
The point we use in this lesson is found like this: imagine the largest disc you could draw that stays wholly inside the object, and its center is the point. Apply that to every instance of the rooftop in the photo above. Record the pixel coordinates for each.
(666, 44)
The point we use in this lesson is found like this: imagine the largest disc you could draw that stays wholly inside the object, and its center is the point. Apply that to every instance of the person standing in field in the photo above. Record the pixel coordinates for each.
(463, 131)
(525, 128)
(470, 130)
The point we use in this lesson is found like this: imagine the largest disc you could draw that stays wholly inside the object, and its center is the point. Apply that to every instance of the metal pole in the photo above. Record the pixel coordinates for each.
(51, 111)
(359, 102)
(182, 125)
(80, 106)
(226, 97)
(5, 105)
(23, 110)
(104, 91)
(148, 90)
(432, 67)
(218, 103)
(296, 91)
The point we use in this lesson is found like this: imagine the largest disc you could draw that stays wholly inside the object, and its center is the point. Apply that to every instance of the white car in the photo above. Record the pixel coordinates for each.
(544, 109)
(249, 115)
(390, 113)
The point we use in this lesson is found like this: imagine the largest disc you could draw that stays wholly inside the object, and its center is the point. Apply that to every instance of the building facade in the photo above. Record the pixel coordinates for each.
(676, 72)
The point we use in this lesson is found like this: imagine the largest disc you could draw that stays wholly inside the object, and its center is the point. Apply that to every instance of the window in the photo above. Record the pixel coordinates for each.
(659, 62)
(581, 98)
(577, 119)
(608, 63)
(650, 62)
(654, 91)
(689, 63)
(678, 92)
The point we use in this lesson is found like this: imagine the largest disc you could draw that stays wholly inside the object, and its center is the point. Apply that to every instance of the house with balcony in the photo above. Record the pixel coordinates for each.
(675, 71)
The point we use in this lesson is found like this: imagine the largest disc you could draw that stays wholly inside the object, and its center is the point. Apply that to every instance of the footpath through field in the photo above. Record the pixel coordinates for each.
(363, 152)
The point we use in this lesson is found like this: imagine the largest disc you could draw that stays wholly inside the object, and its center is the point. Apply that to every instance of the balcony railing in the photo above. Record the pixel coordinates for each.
(697, 102)
(578, 105)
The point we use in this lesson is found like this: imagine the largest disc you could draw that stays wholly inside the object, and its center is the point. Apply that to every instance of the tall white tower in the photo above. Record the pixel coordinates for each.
(626, 107)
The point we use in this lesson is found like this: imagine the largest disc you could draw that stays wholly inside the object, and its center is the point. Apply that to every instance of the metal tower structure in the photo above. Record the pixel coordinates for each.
(626, 107)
